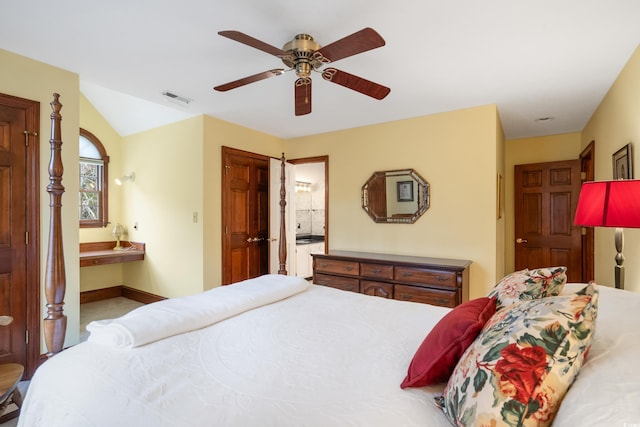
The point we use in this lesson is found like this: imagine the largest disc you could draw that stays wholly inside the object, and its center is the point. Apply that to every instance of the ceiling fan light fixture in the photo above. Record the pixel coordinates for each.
(304, 55)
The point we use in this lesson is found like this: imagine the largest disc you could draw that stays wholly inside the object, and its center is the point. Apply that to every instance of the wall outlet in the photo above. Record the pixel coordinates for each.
(135, 225)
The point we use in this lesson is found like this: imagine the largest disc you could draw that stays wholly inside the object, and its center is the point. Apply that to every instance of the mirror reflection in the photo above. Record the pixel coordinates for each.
(395, 196)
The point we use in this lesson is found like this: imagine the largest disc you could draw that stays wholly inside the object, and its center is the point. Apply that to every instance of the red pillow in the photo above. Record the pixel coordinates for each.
(440, 351)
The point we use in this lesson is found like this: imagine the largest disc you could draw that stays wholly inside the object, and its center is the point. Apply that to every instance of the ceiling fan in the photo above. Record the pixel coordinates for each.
(304, 55)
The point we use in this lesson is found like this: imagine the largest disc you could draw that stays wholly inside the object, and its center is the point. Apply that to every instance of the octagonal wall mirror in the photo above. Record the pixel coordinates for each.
(395, 196)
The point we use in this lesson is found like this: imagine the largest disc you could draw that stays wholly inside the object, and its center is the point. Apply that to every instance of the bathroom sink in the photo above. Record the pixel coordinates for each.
(309, 239)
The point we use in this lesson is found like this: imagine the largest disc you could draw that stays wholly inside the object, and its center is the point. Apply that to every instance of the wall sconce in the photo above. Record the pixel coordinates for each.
(303, 186)
(131, 177)
(610, 204)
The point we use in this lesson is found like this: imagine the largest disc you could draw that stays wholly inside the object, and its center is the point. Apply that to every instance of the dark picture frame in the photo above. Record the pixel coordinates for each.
(405, 191)
(623, 163)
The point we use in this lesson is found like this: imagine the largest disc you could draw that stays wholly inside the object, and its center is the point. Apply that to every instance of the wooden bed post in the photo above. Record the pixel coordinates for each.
(55, 324)
(282, 248)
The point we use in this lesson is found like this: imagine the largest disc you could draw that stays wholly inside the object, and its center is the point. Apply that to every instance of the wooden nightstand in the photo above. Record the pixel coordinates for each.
(10, 376)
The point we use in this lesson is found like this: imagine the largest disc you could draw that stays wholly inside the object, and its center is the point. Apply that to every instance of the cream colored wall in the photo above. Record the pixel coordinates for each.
(616, 122)
(531, 150)
(455, 152)
(178, 173)
(26, 78)
(103, 276)
(218, 133)
(163, 198)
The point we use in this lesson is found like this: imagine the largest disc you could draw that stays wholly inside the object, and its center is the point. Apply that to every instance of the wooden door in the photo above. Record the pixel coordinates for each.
(19, 219)
(245, 215)
(546, 196)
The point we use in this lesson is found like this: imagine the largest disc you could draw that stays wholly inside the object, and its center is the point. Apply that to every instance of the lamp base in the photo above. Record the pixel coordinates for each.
(619, 269)
(118, 247)
(619, 276)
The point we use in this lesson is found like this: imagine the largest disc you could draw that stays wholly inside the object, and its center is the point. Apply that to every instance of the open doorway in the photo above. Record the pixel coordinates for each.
(311, 211)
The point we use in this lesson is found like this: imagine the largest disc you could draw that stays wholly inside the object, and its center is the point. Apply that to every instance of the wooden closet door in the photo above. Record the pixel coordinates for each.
(245, 215)
(546, 196)
(19, 237)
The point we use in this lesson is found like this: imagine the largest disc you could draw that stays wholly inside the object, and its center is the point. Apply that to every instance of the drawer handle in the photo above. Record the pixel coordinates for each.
(441, 278)
(407, 274)
(323, 265)
(442, 301)
(404, 296)
(376, 271)
(348, 268)
(323, 282)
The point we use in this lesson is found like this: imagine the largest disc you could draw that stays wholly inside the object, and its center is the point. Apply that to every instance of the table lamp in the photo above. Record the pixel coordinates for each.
(610, 204)
(118, 231)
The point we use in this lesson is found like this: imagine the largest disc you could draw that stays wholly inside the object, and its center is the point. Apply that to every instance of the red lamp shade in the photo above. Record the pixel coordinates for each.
(609, 204)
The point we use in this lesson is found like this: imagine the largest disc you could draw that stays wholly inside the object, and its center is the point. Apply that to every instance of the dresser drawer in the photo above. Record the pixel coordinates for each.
(425, 296)
(376, 271)
(344, 283)
(350, 268)
(377, 289)
(428, 277)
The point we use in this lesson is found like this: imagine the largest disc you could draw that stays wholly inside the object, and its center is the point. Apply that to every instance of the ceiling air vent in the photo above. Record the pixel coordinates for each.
(176, 99)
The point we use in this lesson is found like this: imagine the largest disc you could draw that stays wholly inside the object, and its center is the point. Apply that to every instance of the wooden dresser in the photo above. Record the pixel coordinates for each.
(436, 281)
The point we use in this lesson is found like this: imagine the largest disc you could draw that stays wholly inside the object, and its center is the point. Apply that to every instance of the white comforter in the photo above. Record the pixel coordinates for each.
(321, 357)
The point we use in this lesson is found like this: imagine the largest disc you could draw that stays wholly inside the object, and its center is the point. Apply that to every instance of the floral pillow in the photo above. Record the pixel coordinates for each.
(529, 284)
(519, 368)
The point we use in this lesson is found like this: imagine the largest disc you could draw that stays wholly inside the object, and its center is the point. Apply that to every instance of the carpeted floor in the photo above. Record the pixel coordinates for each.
(105, 309)
(99, 310)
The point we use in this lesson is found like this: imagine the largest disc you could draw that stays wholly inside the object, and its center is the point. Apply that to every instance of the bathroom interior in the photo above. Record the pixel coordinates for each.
(310, 215)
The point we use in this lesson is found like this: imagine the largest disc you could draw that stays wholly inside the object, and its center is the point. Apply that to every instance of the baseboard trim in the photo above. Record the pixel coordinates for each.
(119, 291)
(140, 296)
(100, 294)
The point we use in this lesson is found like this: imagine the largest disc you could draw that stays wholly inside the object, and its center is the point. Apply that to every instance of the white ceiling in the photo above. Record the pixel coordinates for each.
(542, 58)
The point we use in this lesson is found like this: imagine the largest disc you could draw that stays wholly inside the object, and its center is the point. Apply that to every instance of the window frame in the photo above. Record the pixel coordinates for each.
(103, 212)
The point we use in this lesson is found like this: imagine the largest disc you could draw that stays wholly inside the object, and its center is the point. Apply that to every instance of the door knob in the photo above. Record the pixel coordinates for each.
(5, 320)
(521, 240)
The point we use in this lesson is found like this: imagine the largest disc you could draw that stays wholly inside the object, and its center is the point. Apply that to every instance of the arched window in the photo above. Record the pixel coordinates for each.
(94, 166)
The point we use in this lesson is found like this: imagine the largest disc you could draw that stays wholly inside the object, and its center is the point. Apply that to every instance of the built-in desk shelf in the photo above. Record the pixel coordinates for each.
(102, 253)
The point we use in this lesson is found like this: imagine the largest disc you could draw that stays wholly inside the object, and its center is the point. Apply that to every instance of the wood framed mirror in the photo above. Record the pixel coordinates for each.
(395, 196)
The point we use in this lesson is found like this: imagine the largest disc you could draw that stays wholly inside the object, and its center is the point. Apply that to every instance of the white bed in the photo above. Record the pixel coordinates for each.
(320, 357)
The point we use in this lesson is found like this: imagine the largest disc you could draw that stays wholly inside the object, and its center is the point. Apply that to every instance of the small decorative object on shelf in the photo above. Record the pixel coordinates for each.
(118, 231)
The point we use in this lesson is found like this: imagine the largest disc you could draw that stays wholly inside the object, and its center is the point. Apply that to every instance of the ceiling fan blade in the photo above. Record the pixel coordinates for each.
(356, 83)
(253, 42)
(358, 42)
(303, 96)
(250, 79)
